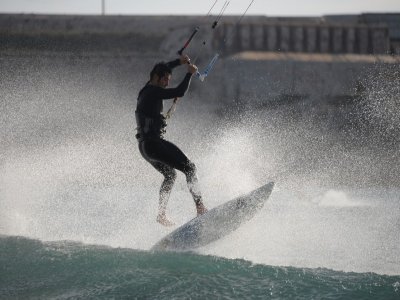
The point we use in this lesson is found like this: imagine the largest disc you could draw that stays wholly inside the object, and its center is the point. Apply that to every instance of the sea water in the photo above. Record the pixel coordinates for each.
(32, 269)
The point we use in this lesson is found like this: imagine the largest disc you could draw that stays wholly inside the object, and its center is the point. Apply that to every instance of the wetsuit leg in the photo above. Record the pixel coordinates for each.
(167, 184)
(163, 155)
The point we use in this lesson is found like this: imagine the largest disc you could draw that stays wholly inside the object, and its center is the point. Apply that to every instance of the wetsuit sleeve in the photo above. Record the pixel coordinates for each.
(174, 63)
(177, 92)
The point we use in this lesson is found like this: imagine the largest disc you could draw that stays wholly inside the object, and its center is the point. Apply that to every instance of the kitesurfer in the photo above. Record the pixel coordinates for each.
(163, 155)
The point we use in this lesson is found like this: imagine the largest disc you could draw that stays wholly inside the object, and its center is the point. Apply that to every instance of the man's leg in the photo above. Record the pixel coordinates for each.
(193, 185)
(164, 156)
(165, 191)
(151, 151)
(178, 160)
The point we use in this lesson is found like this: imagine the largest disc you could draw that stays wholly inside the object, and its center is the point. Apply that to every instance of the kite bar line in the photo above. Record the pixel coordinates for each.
(211, 8)
(215, 23)
(204, 74)
(197, 28)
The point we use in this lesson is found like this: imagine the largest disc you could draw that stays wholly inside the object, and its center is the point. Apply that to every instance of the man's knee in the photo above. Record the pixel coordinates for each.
(170, 175)
(190, 169)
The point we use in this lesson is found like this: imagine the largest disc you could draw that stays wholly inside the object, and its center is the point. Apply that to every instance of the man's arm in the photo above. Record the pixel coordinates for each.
(184, 59)
(176, 92)
(180, 90)
(174, 63)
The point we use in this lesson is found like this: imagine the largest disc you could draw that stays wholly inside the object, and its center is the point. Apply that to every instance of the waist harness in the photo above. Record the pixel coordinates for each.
(150, 127)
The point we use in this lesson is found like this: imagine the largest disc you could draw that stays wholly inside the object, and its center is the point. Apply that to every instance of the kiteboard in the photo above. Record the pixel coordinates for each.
(216, 223)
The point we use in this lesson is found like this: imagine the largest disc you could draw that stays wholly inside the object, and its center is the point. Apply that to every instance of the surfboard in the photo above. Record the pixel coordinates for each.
(216, 223)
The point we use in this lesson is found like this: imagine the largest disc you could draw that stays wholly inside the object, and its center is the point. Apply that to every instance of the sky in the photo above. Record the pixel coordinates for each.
(200, 7)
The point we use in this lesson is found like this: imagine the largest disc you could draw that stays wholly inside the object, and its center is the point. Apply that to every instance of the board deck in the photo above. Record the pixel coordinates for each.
(216, 223)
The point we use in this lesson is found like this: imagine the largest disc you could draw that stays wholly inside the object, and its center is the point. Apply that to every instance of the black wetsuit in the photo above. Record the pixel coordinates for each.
(164, 156)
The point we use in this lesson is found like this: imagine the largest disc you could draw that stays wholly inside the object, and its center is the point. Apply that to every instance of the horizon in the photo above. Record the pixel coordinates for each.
(285, 8)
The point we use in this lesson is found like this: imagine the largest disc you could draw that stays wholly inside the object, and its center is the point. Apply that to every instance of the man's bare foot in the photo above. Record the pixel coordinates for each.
(162, 219)
(201, 209)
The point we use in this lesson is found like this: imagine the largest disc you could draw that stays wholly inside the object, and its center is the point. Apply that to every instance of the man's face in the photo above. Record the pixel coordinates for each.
(164, 81)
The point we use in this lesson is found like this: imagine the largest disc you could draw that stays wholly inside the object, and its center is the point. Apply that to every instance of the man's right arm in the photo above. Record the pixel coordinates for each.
(173, 63)
(176, 92)
(184, 59)
(181, 89)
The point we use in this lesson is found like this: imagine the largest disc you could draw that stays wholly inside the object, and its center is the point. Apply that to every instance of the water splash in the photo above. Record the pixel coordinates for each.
(70, 169)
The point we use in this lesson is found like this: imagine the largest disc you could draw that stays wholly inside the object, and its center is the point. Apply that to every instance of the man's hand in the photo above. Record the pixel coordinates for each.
(184, 59)
(192, 69)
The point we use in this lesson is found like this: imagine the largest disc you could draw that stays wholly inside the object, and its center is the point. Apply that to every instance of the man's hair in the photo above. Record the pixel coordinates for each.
(160, 69)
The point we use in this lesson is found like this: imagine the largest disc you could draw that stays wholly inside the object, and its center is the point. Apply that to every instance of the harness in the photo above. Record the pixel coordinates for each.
(150, 127)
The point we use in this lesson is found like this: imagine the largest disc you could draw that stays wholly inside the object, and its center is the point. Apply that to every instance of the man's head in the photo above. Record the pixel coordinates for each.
(161, 75)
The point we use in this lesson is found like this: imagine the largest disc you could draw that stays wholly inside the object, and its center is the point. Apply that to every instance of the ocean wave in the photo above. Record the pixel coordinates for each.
(68, 270)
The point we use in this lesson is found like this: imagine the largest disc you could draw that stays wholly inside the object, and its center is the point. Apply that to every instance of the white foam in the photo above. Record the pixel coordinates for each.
(335, 198)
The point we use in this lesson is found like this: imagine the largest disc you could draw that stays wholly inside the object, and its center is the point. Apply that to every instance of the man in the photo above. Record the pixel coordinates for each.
(164, 156)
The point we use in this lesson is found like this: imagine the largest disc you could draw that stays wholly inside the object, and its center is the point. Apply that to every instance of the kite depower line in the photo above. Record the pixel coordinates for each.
(210, 65)
(199, 75)
(202, 75)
